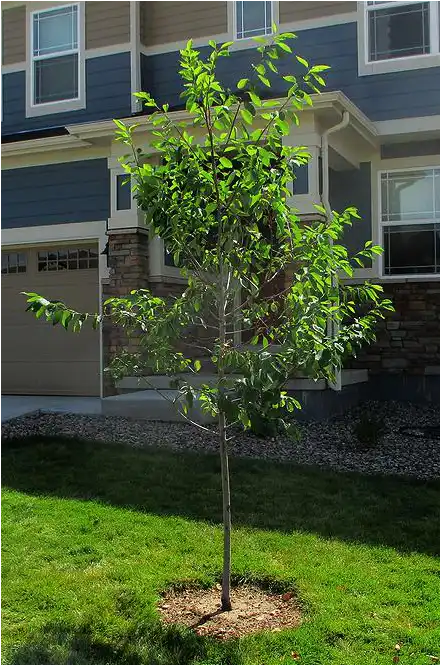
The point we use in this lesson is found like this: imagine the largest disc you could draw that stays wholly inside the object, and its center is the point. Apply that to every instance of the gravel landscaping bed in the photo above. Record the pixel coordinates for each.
(410, 446)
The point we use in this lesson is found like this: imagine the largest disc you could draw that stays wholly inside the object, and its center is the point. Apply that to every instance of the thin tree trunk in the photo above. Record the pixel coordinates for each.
(226, 492)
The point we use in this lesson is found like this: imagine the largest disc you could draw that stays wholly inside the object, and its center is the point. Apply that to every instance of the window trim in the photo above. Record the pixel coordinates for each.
(406, 63)
(62, 105)
(404, 276)
(115, 173)
(246, 42)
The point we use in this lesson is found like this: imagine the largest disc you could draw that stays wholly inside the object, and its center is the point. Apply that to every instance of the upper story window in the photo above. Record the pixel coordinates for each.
(410, 220)
(398, 35)
(55, 54)
(397, 30)
(253, 18)
(56, 74)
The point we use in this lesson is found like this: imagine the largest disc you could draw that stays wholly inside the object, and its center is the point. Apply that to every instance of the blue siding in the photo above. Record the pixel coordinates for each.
(379, 96)
(348, 188)
(108, 95)
(410, 149)
(56, 194)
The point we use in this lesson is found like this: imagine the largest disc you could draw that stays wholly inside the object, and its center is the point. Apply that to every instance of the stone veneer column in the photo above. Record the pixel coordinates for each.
(408, 341)
(128, 270)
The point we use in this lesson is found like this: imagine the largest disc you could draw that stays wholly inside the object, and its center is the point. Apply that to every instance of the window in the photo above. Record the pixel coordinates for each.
(410, 219)
(397, 29)
(123, 192)
(253, 18)
(55, 55)
(13, 263)
(67, 259)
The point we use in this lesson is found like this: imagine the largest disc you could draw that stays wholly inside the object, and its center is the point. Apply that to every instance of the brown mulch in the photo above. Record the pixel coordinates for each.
(253, 610)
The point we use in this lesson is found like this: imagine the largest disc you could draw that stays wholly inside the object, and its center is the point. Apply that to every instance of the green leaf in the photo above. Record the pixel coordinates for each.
(302, 61)
(224, 161)
(247, 116)
(197, 365)
(285, 47)
(264, 80)
(242, 83)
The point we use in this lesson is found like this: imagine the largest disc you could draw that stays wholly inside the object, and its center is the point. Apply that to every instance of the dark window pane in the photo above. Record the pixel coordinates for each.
(396, 32)
(56, 79)
(168, 259)
(73, 264)
(21, 262)
(411, 249)
(4, 263)
(73, 253)
(253, 18)
(123, 192)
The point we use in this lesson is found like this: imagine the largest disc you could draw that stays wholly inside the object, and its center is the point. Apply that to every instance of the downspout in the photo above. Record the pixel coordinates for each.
(332, 330)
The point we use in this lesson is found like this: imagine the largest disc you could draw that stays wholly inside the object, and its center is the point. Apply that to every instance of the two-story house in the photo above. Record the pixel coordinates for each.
(374, 137)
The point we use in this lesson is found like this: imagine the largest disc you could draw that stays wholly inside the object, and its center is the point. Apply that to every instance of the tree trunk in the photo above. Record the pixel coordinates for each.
(226, 492)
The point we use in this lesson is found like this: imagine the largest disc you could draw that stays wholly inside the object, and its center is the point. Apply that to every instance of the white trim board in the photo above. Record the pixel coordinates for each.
(48, 233)
(243, 44)
(135, 58)
(89, 54)
(420, 124)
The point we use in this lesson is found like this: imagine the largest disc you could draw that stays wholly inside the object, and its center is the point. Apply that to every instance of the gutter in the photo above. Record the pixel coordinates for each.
(331, 326)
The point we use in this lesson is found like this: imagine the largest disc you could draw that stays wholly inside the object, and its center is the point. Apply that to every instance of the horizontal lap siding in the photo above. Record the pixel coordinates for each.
(108, 94)
(56, 194)
(380, 96)
(348, 188)
(107, 23)
(167, 22)
(304, 11)
(14, 35)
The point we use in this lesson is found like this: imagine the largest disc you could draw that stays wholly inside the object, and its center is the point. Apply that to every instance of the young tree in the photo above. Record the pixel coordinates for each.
(220, 199)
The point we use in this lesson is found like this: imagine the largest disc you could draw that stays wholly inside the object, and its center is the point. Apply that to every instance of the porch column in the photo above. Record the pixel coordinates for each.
(127, 259)
(306, 188)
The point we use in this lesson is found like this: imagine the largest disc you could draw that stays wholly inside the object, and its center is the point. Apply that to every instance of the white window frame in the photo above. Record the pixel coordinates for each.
(246, 42)
(367, 67)
(404, 276)
(114, 210)
(59, 106)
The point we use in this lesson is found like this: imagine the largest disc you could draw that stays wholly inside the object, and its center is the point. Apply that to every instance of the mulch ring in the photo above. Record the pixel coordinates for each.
(253, 610)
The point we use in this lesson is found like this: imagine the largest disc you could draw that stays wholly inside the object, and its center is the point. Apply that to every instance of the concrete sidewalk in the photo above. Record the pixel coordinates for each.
(18, 405)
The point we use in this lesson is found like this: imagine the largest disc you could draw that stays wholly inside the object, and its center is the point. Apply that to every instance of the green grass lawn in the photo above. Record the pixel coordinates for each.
(93, 533)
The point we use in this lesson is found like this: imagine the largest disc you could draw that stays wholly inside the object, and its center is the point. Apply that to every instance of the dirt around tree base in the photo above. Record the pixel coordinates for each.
(253, 610)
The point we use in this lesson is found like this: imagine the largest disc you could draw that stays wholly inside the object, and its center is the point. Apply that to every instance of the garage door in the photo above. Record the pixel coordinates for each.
(38, 358)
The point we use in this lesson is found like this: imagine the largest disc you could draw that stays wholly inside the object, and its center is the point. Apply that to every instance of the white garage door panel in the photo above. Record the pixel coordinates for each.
(49, 378)
(53, 343)
(38, 358)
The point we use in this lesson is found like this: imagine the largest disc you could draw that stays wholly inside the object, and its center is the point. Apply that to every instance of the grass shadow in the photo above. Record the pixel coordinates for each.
(151, 644)
(382, 510)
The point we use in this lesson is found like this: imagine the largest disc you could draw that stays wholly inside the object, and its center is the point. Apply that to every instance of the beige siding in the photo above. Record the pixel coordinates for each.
(107, 23)
(304, 11)
(14, 35)
(166, 22)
